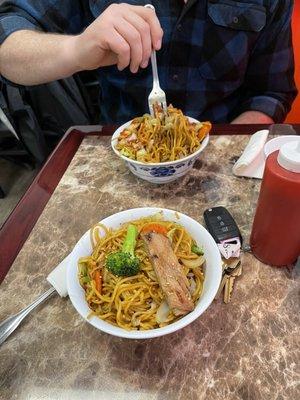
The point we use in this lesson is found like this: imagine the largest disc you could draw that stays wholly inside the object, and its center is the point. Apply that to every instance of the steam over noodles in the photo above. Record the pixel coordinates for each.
(162, 138)
(136, 302)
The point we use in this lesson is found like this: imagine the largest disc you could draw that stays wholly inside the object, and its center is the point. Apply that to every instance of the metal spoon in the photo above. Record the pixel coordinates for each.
(11, 323)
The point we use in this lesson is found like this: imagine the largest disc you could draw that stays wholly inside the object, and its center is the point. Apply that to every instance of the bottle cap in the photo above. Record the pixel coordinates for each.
(289, 156)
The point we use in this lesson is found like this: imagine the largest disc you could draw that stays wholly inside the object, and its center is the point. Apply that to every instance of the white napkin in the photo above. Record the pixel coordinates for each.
(58, 277)
(252, 162)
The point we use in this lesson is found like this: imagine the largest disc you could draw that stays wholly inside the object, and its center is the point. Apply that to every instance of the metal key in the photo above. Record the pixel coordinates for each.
(232, 268)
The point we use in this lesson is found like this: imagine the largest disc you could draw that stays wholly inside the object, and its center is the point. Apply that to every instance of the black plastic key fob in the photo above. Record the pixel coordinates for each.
(221, 225)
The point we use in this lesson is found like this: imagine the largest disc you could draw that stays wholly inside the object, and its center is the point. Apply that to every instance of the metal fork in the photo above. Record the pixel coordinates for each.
(11, 323)
(157, 96)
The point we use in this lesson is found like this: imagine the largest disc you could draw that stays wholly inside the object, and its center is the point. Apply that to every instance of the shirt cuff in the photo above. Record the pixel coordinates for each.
(267, 105)
(14, 23)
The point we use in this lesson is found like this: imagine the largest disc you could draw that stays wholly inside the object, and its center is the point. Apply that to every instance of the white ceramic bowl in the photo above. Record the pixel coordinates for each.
(163, 172)
(212, 279)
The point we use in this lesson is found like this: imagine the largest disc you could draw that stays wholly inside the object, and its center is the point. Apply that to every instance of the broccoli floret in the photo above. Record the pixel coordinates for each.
(197, 250)
(124, 262)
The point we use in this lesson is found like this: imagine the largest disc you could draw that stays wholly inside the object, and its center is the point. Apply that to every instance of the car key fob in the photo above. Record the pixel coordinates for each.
(224, 230)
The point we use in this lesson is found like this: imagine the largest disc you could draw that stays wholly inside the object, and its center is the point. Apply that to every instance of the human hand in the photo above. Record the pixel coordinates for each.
(123, 34)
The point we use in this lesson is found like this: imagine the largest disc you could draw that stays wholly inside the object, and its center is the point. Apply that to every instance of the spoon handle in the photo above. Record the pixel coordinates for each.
(11, 323)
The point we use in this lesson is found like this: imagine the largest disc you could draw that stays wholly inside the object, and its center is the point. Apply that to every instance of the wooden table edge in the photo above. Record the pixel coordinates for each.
(22, 219)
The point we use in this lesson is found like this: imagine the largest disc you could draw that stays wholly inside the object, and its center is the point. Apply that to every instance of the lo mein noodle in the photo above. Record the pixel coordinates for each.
(162, 138)
(135, 302)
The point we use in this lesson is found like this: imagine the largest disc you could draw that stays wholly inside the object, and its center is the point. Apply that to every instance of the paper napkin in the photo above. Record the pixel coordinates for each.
(252, 161)
(58, 277)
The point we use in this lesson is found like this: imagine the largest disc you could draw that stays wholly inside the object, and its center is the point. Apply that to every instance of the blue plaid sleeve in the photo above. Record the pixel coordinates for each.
(269, 84)
(68, 16)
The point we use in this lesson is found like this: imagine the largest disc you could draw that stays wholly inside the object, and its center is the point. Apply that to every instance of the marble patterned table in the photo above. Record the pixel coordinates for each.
(245, 350)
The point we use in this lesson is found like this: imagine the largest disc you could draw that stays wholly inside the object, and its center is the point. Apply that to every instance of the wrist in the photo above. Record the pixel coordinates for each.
(71, 55)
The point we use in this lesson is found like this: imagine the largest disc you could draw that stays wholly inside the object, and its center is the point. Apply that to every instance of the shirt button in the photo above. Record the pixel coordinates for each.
(175, 77)
(235, 20)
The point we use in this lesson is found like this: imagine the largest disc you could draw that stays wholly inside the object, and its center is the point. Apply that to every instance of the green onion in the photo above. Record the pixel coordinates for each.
(197, 250)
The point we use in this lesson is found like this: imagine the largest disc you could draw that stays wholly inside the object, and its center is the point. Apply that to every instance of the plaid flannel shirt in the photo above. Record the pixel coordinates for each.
(219, 57)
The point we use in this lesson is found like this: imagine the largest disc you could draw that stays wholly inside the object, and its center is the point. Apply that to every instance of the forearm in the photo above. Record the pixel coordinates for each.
(123, 35)
(30, 58)
(252, 117)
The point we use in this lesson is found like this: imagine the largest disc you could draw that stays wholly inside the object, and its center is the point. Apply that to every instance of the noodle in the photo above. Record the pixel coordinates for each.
(132, 302)
(162, 138)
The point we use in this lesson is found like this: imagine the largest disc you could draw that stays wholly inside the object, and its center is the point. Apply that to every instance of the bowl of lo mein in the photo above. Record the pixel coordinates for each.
(161, 148)
(143, 273)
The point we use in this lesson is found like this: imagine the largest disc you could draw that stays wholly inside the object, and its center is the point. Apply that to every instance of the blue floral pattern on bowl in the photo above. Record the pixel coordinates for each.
(162, 171)
(132, 166)
(145, 169)
(180, 165)
(162, 174)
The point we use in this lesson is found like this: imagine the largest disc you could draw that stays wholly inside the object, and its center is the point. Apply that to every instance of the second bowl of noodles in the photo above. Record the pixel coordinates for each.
(161, 149)
(144, 303)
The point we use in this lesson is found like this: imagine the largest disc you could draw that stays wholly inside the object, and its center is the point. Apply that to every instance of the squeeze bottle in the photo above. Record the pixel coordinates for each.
(275, 236)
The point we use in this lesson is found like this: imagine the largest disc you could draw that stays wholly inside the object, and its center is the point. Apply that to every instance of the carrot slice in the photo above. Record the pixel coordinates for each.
(204, 130)
(98, 281)
(154, 227)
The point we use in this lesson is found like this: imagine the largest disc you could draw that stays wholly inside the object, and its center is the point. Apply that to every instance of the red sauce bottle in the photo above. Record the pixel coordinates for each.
(275, 236)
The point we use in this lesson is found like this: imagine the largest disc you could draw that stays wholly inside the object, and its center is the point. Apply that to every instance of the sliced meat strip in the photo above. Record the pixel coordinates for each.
(169, 273)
